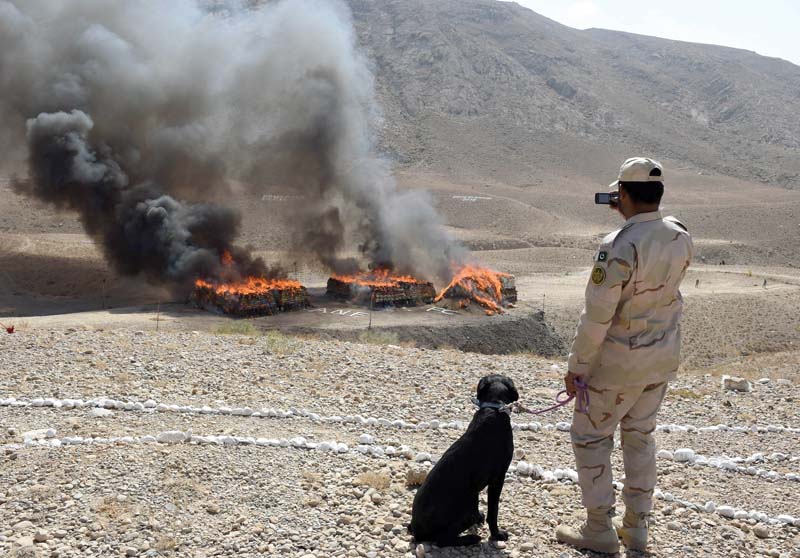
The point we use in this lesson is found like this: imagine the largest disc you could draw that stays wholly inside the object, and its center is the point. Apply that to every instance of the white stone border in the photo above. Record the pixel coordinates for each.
(521, 469)
(153, 406)
(743, 465)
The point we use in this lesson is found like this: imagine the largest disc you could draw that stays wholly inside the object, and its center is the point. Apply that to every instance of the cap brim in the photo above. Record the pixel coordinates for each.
(614, 185)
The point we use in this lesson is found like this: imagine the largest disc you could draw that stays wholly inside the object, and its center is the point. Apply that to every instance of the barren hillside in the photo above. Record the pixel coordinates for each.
(490, 89)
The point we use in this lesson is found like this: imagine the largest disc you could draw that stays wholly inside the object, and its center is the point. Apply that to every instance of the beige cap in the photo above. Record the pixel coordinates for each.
(641, 169)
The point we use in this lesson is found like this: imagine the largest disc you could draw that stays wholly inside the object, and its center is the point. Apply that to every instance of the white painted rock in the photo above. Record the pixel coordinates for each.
(422, 456)
(99, 412)
(726, 511)
(38, 434)
(524, 468)
(366, 439)
(734, 383)
(684, 455)
(664, 454)
(171, 437)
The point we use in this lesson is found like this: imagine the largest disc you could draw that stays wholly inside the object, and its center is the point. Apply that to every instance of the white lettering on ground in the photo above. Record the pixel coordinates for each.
(339, 312)
(445, 311)
(471, 199)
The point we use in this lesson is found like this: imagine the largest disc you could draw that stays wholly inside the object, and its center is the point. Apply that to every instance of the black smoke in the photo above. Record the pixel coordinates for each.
(138, 114)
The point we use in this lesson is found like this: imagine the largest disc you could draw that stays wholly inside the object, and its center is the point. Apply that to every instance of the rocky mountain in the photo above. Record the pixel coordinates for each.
(493, 90)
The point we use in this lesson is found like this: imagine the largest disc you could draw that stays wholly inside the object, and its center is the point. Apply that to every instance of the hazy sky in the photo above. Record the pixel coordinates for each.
(769, 27)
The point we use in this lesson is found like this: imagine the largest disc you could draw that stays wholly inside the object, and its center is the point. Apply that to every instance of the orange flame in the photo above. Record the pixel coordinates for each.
(377, 278)
(480, 284)
(250, 285)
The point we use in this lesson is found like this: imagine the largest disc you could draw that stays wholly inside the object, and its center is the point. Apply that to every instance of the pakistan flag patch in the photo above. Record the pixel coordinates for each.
(598, 275)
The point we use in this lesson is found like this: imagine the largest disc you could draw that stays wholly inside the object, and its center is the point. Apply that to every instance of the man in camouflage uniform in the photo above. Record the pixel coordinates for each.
(626, 350)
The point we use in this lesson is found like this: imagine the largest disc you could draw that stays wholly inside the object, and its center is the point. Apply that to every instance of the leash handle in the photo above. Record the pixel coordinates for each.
(581, 398)
(582, 395)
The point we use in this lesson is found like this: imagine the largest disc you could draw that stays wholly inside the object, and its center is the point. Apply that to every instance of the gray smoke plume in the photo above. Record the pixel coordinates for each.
(137, 114)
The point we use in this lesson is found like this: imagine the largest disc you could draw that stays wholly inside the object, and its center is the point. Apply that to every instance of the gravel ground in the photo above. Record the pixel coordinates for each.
(189, 499)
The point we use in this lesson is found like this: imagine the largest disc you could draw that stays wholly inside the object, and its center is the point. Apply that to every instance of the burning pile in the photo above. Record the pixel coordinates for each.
(491, 289)
(380, 288)
(251, 297)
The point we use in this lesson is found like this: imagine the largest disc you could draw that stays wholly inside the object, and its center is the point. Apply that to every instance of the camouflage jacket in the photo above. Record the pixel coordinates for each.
(629, 332)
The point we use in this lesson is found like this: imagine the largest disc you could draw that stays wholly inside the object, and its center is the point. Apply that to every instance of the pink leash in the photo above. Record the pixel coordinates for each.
(581, 400)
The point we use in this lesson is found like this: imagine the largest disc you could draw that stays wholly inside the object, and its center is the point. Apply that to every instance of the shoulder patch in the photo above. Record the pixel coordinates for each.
(602, 256)
(598, 275)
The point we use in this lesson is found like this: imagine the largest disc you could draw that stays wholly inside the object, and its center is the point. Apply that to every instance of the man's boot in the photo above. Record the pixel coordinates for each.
(596, 534)
(632, 529)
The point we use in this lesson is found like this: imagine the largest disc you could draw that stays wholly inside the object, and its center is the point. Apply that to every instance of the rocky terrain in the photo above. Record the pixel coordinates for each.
(190, 444)
(134, 425)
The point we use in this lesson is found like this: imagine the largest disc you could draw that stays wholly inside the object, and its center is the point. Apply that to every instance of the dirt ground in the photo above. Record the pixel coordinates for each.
(545, 234)
(85, 333)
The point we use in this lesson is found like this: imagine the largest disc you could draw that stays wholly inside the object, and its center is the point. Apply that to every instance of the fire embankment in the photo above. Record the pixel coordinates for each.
(504, 334)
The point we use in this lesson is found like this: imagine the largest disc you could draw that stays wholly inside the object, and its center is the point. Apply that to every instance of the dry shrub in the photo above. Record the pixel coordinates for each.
(416, 476)
(276, 343)
(237, 327)
(311, 477)
(685, 393)
(379, 480)
(183, 491)
(311, 502)
(25, 552)
(110, 510)
(378, 337)
(166, 544)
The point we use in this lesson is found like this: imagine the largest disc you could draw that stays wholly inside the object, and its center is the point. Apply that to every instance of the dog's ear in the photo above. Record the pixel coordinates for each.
(509, 383)
(483, 384)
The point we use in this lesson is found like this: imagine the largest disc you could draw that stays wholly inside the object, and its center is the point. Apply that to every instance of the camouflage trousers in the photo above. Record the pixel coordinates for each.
(634, 409)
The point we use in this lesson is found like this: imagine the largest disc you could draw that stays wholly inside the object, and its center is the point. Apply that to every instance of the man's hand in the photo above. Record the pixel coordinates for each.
(569, 383)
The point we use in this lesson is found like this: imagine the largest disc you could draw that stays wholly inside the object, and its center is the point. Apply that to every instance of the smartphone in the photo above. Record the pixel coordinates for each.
(606, 198)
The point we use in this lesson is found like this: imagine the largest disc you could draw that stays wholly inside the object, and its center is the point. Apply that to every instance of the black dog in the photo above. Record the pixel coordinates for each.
(447, 502)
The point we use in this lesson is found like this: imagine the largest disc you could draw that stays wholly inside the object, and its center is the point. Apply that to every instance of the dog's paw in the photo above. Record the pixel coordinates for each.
(470, 540)
(501, 535)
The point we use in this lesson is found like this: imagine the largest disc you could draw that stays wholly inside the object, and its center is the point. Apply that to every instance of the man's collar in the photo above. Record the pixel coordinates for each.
(644, 217)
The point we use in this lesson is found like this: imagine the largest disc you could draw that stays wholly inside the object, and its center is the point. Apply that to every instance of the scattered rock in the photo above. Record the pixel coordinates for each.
(761, 531)
(22, 526)
(734, 383)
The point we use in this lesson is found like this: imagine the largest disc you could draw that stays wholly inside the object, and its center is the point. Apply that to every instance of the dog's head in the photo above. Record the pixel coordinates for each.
(497, 389)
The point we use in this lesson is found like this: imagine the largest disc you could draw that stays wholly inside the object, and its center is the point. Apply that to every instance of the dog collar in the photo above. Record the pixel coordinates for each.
(502, 407)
